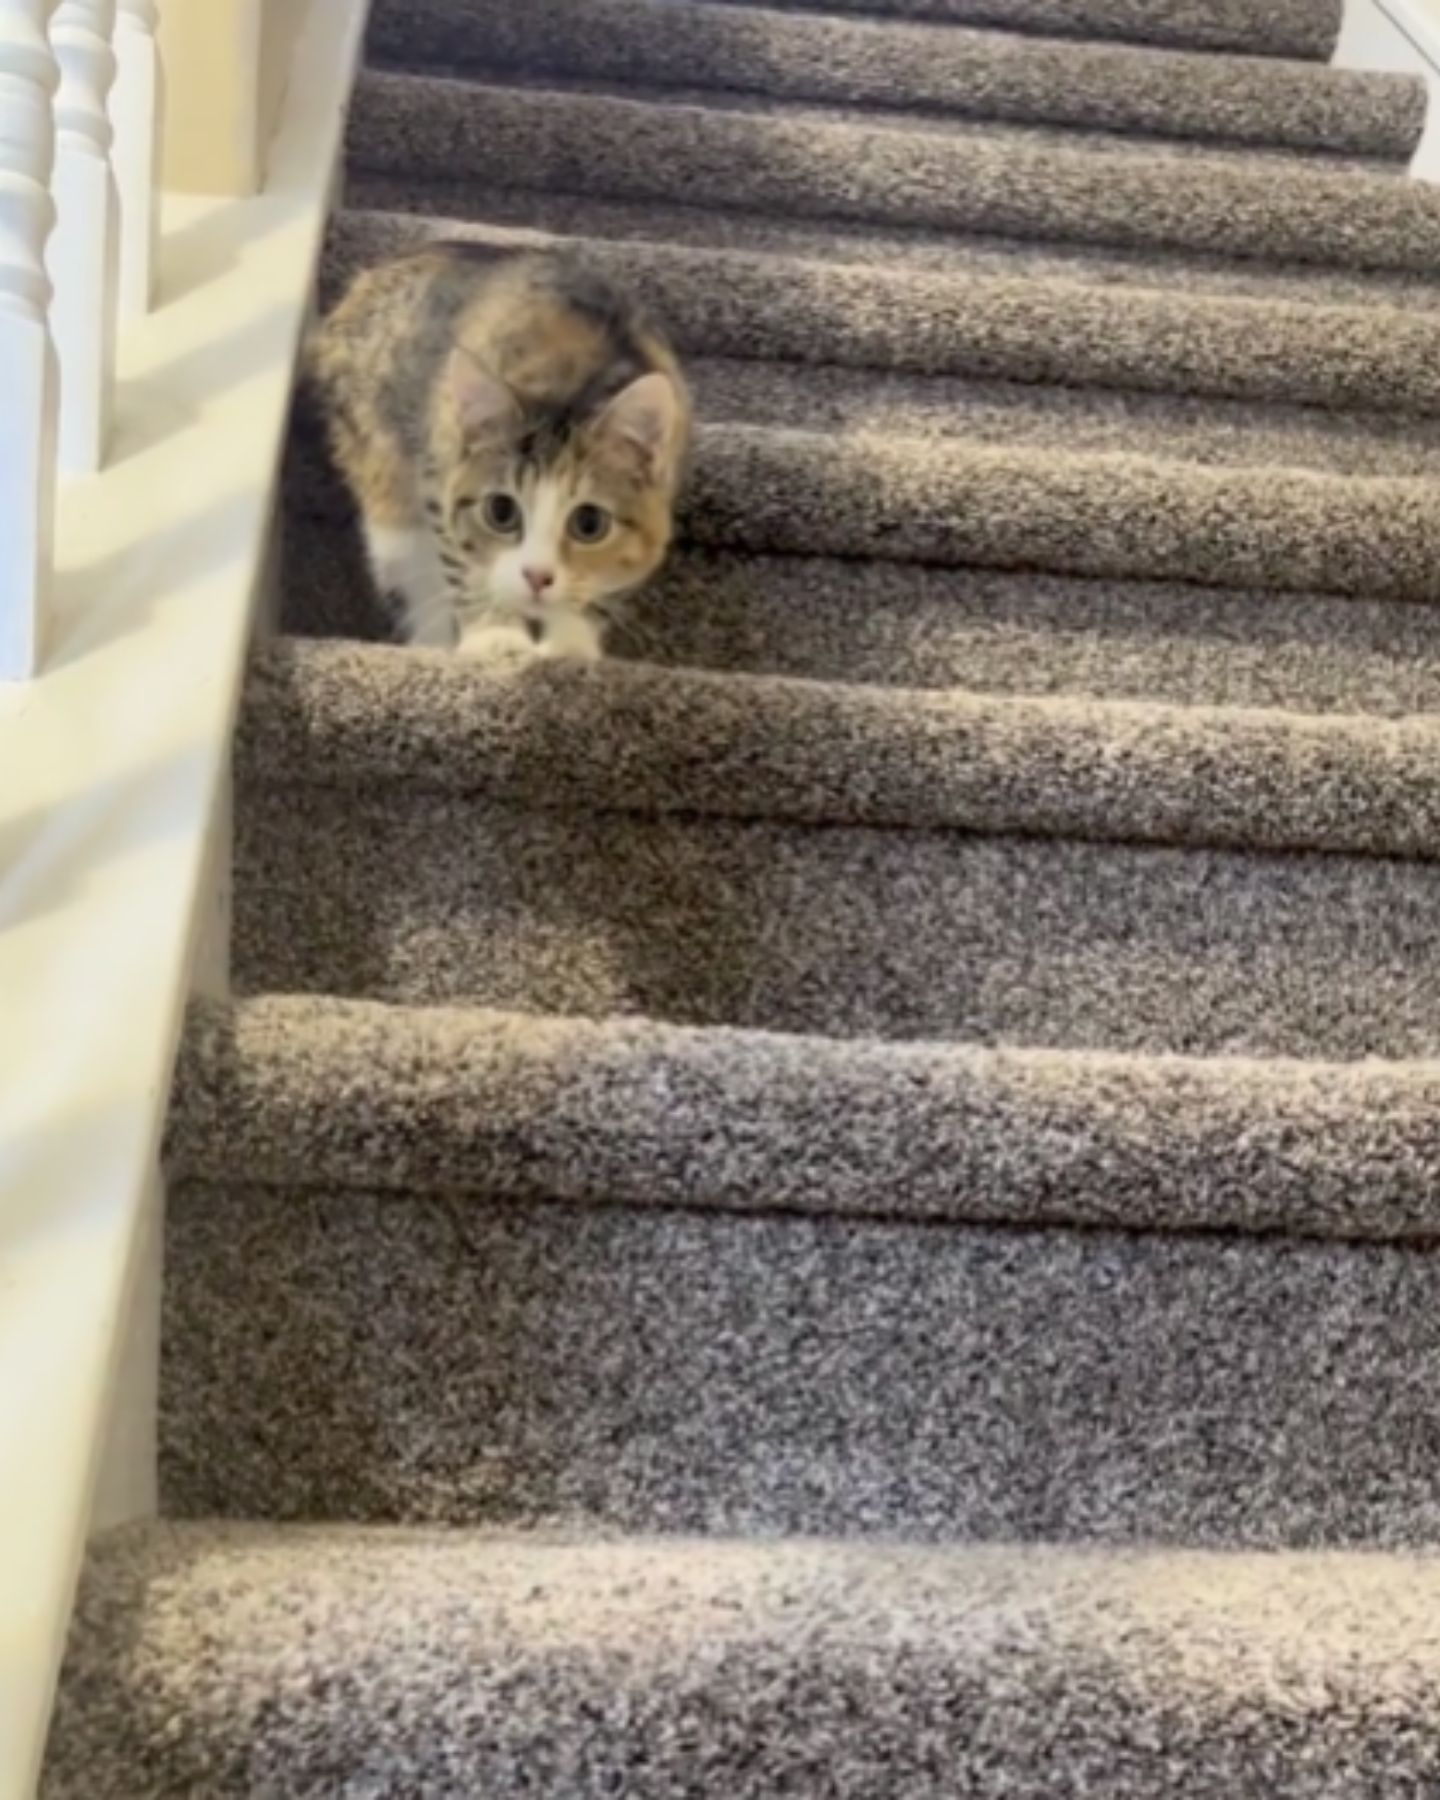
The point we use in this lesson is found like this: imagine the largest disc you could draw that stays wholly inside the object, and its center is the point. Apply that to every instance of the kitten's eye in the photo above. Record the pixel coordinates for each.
(588, 524)
(501, 512)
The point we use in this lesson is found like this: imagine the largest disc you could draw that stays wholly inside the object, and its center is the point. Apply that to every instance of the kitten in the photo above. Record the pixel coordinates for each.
(514, 433)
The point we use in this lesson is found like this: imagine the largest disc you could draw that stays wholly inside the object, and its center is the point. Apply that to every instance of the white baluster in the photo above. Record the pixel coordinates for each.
(136, 103)
(28, 388)
(84, 257)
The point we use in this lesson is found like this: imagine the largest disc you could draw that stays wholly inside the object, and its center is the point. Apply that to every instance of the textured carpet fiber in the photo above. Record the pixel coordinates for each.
(683, 1667)
(846, 1204)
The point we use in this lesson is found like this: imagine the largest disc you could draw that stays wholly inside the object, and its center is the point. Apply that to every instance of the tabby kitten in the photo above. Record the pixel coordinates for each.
(514, 433)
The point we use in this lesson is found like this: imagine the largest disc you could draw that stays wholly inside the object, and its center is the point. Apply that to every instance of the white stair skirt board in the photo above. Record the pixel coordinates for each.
(1400, 37)
(112, 816)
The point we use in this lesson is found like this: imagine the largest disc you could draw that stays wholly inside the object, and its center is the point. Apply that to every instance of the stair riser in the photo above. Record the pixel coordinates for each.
(426, 897)
(333, 1355)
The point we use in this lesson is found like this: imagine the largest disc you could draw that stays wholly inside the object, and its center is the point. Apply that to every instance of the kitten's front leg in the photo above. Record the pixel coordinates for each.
(405, 563)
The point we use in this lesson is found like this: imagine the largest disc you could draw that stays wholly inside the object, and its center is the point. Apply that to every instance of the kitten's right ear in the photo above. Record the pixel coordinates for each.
(479, 403)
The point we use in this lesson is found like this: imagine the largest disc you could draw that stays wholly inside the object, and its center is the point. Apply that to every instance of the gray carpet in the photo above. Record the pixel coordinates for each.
(964, 73)
(1300, 28)
(658, 1668)
(847, 1203)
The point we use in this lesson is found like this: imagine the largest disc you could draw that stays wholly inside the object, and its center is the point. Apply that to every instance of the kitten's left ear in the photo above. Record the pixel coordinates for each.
(480, 403)
(646, 417)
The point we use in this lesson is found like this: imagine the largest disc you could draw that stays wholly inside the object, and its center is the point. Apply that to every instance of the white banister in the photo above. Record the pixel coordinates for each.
(84, 254)
(28, 79)
(136, 103)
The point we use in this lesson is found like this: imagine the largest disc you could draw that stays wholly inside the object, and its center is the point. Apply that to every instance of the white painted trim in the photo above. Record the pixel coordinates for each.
(127, 1485)
(29, 377)
(136, 110)
(83, 255)
(1400, 37)
(111, 812)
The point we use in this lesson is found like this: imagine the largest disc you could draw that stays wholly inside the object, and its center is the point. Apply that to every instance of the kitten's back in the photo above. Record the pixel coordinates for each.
(556, 331)
(561, 336)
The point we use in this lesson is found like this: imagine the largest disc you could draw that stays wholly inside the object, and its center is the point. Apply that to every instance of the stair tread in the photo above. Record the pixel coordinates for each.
(777, 119)
(588, 1667)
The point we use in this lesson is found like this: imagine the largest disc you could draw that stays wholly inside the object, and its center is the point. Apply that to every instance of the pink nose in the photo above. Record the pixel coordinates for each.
(539, 579)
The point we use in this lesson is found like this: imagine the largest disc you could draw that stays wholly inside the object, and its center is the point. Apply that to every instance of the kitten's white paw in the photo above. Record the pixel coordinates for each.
(573, 637)
(497, 643)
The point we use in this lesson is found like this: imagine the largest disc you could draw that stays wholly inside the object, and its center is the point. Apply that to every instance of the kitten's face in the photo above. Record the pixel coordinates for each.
(535, 521)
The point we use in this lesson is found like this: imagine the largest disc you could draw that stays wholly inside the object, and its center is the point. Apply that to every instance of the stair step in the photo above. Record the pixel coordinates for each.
(1073, 422)
(1050, 507)
(462, 735)
(308, 1090)
(423, 892)
(425, 1356)
(812, 56)
(808, 164)
(737, 304)
(449, 200)
(905, 498)
(651, 1668)
(1300, 28)
(992, 632)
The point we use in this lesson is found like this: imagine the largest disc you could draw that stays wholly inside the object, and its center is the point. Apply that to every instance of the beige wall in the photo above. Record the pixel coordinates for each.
(226, 64)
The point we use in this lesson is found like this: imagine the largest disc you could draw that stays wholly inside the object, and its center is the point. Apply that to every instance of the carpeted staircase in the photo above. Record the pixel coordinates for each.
(844, 1206)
